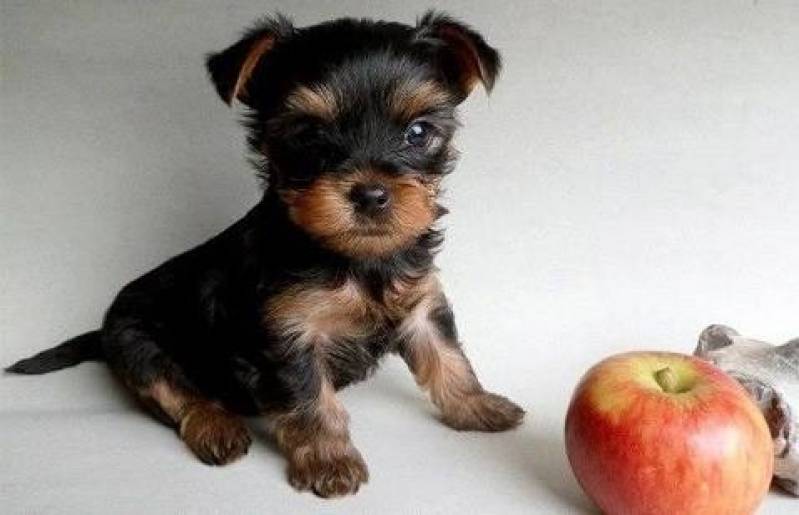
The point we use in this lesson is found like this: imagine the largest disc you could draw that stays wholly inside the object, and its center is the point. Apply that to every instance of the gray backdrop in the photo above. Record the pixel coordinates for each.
(631, 180)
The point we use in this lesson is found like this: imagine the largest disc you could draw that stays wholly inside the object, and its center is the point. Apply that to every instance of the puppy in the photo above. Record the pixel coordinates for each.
(351, 123)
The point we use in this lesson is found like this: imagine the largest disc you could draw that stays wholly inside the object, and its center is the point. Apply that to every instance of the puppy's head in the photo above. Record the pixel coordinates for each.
(355, 120)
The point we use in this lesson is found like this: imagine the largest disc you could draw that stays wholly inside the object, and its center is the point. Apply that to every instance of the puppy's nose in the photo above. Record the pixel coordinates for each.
(370, 198)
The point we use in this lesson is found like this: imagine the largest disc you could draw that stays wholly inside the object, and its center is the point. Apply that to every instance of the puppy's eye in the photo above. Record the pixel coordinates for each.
(418, 134)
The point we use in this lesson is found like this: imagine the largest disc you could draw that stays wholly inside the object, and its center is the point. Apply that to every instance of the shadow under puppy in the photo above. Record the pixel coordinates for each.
(351, 121)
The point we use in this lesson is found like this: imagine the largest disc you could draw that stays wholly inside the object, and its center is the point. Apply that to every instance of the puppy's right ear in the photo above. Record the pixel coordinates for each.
(232, 69)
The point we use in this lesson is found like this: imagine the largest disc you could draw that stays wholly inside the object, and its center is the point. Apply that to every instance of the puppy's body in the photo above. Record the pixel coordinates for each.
(352, 122)
(241, 313)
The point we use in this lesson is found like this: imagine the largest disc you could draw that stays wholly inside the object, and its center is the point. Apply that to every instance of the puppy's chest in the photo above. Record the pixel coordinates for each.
(343, 315)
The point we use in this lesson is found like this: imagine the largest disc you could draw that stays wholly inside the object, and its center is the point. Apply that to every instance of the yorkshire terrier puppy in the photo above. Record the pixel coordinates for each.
(351, 123)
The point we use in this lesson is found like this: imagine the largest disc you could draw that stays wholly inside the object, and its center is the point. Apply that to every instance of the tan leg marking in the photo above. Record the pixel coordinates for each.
(316, 441)
(441, 368)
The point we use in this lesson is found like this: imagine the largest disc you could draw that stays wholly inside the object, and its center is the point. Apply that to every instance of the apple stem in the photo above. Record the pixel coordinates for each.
(667, 379)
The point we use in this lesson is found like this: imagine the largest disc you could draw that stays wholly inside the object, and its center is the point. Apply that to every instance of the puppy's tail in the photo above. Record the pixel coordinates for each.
(85, 347)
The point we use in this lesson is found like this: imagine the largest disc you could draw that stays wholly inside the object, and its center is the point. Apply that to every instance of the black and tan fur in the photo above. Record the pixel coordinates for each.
(351, 124)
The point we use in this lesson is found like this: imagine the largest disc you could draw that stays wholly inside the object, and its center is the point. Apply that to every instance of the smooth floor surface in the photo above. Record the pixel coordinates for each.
(73, 442)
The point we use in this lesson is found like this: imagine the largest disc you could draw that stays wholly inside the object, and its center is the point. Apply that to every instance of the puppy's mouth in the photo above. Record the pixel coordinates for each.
(371, 232)
(374, 226)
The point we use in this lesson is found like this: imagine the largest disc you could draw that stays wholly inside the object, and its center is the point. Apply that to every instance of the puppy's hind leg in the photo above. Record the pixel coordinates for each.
(213, 434)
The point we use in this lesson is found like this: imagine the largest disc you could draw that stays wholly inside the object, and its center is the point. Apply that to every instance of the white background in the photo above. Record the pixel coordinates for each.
(631, 180)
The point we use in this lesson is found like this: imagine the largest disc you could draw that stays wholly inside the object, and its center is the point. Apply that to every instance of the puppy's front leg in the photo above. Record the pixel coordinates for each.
(315, 438)
(429, 345)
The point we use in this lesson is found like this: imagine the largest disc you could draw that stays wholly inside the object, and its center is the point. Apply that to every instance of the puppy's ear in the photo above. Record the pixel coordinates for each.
(463, 54)
(232, 69)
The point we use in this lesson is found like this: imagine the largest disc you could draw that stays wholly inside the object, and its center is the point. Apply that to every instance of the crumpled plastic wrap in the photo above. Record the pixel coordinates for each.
(771, 376)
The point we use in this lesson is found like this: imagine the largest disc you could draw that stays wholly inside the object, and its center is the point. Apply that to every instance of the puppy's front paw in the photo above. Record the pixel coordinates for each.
(214, 435)
(327, 475)
(484, 412)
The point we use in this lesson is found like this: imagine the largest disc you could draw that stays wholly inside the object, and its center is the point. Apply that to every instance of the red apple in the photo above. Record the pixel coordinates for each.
(662, 433)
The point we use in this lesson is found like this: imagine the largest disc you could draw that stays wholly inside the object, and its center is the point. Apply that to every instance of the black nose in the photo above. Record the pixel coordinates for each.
(370, 198)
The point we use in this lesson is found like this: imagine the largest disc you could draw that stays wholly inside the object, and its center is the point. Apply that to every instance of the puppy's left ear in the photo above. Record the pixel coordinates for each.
(232, 70)
(463, 54)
